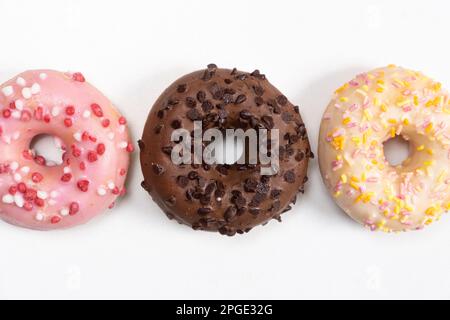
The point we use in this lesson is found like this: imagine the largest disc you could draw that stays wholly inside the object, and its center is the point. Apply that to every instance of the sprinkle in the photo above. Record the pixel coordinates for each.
(39, 216)
(343, 99)
(17, 177)
(18, 199)
(77, 136)
(86, 114)
(55, 111)
(8, 198)
(25, 169)
(78, 76)
(42, 194)
(55, 219)
(21, 81)
(26, 93)
(101, 191)
(124, 144)
(35, 88)
(7, 91)
(14, 165)
(42, 76)
(64, 212)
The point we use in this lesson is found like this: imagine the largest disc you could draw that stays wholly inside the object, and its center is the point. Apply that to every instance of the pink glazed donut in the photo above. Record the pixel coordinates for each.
(93, 136)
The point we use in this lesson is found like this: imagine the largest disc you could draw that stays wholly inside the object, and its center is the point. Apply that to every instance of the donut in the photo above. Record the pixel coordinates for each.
(38, 194)
(364, 113)
(228, 198)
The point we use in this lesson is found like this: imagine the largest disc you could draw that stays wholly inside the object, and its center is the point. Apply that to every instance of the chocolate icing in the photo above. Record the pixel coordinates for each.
(226, 198)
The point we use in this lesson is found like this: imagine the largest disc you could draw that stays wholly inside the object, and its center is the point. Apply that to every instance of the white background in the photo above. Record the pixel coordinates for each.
(132, 50)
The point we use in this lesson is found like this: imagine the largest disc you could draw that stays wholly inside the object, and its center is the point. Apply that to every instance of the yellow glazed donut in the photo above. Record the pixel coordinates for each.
(364, 113)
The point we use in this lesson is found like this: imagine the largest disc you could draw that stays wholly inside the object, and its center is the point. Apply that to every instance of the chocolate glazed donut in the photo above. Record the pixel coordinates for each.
(220, 197)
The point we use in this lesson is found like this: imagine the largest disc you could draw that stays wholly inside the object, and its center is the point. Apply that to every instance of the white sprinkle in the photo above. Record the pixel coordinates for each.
(64, 212)
(39, 216)
(17, 177)
(86, 114)
(18, 199)
(25, 169)
(122, 128)
(77, 136)
(19, 104)
(53, 194)
(111, 135)
(7, 91)
(42, 194)
(35, 88)
(101, 191)
(123, 144)
(111, 185)
(14, 165)
(21, 81)
(16, 114)
(67, 170)
(43, 76)
(55, 111)
(26, 93)
(8, 198)
(16, 135)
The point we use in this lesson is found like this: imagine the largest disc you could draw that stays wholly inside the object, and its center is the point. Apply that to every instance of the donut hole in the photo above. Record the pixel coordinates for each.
(229, 150)
(396, 150)
(49, 147)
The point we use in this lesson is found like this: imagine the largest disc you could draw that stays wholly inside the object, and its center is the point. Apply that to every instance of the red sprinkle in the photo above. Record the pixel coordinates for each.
(37, 177)
(122, 172)
(85, 136)
(105, 123)
(25, 116)
(83, 185)
(101, 149)
(30, 195)
(82, 165)
(97, 110)
(66, 177)
(92, 156)
(55, 219)
(12, 190)
(70, 110)
(75, 151)
(92, 138)
(22, 187)
(111, 205)
(122, 120)
(27, 154)
(74, 208)
(47, 118)
(40, 160)
(68, 122)
(38, 113)
(12, 105)
(6, 113)
(78, 76)
(116, 190)
(28, 206)
(39, 202)
(130, 147)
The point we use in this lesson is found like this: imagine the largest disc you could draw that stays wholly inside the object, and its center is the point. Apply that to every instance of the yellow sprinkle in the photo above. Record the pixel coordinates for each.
(383, 107)
(380, 89)
(343, 99)
(392, 66)
(367, 114)
(354, 185)
(431, 211)
(337, 194)
(392, 121)
(430, 152)
(441, 176)
(409, 208)
(429, 127)
(380, 81)
(437, 86)
(420, 148)
(354, 179)
(376, 102)
(374, 161)
(403, 102)
(363, 176)
(358, 198)
(344, 178)
(339, 90)
(338, 143)
(399, 82)
(356, 140)
(428, 163)
(392, 132)
(405, 121)
(397, 209)
(365, 87)
(346, 120)
(416, 100)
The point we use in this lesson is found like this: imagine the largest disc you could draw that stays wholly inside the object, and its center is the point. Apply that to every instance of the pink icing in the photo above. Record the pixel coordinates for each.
(96, 143)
